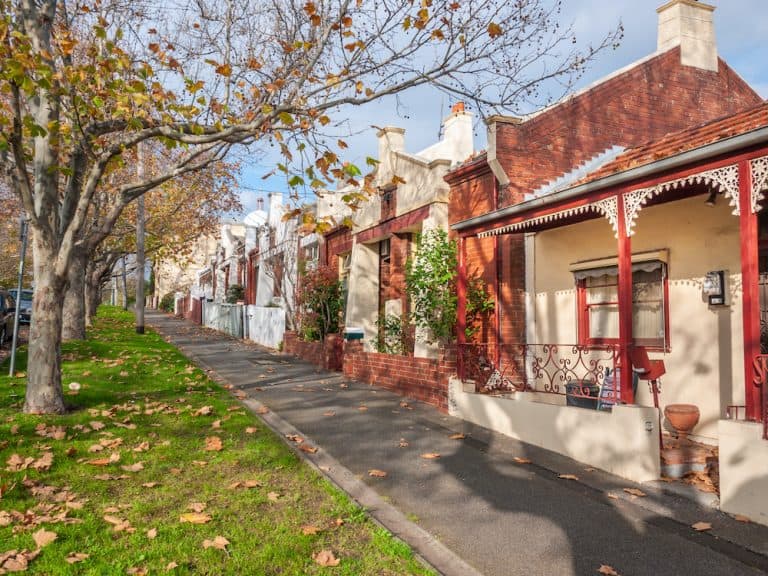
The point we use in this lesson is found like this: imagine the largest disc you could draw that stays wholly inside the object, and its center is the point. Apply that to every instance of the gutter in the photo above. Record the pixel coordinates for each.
(725, 146)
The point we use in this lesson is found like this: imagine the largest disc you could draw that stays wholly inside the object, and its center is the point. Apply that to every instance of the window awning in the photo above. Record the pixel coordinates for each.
(641, 262)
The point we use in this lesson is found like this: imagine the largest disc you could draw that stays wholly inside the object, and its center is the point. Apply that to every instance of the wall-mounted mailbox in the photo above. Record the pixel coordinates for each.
(714, 287)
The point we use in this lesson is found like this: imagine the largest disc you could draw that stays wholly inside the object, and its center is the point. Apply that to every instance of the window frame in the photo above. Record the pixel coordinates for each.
(653, 345)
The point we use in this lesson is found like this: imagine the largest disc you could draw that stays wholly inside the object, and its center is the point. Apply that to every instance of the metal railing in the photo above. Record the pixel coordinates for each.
(586, 372)
(760, 379)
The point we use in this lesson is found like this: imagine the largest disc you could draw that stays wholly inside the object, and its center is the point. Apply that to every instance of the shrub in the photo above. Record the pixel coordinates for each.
(235, 293)
(320, 303)
(167, 302)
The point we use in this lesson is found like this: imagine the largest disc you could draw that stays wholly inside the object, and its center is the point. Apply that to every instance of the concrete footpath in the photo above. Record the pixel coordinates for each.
(488, 504)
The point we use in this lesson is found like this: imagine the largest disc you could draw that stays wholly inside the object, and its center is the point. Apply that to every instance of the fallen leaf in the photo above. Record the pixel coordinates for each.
(175, 471)
(740, 518)
(251, 484)
(204, 411)
(273, 496)
(329, 413)
(339, 521)
(213, 444)
(262, 410)
(308, 449)
(136, 571)
(43, 463)
(430, 455)
(520, 460)
(152, 533)
(195, 518)
(75, 557)
(42, 537)
(150, 484)
(325, 558)
(612, 496)
(607, 570)
(197, 506)
(362, 409)
(309, 530)
(219, 542)
(458, 436)
(568, 476)
(377, 473)
(635, 492)
(216, 424)
(143, 447)
(96, 425)
(590, 469)
(170, 566)
(403, 443)
(250, 430)
(701, 526)
(133, 467)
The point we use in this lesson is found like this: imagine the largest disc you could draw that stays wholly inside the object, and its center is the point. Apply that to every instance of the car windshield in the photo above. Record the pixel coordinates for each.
(26, 295)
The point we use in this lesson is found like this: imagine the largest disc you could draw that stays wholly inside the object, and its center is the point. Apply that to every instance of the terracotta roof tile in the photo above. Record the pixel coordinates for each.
(684, 140)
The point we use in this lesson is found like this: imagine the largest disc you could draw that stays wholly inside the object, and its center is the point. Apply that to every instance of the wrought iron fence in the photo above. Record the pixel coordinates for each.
(579, 372)
(760, 379)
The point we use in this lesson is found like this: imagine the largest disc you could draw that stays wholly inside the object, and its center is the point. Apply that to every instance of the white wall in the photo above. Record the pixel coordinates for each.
(624, 441)
(266, 326)
(744, 469)
(363, 301)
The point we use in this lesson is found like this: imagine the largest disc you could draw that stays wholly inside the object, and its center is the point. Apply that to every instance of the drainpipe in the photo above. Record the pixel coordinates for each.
(496, 280)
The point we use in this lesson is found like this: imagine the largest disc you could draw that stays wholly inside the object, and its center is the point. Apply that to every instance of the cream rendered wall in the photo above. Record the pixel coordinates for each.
(744, 470)
(704, 364)
(363, 303)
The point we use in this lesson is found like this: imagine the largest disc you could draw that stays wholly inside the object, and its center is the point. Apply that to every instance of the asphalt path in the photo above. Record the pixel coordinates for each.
(498, 504)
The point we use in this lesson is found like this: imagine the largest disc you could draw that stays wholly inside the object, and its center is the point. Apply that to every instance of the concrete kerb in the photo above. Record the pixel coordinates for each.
(427, 549)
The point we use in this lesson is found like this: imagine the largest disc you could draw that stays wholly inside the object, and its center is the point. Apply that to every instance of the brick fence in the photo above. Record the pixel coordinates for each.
(328, 354)
(424, 379)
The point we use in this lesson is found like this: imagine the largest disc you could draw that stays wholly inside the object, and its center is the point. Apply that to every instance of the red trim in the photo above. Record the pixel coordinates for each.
(395, 225)
(461, 304)
(497, 256)
(625, 305)
(751, 299)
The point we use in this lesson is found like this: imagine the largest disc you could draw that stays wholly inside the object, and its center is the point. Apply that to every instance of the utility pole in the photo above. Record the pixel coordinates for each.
(23, 232)
(140, 259)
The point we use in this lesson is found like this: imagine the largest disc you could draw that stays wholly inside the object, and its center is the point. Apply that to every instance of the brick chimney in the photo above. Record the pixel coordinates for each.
(689, 24)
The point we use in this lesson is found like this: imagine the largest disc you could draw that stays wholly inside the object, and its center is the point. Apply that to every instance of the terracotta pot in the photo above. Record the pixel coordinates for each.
(682, 417)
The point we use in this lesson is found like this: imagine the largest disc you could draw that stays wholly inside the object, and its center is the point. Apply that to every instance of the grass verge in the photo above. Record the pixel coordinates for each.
(157, 469)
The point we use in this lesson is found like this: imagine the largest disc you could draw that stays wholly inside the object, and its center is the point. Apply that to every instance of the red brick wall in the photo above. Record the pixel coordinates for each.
(419, 378)
(642, 104)
(328, 354)
(392, 279)
(337, 242)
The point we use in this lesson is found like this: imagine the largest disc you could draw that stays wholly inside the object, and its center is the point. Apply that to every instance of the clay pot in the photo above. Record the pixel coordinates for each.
(682, 417)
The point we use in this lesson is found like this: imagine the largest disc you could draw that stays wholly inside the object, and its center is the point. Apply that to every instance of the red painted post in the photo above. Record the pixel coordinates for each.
(461, 305)
(750, 295)
(625, 304)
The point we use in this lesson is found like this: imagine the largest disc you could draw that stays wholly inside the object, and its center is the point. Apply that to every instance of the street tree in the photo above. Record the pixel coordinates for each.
(82, 84)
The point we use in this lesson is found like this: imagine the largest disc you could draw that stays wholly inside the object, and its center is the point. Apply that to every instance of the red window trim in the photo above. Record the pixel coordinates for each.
(583, 321)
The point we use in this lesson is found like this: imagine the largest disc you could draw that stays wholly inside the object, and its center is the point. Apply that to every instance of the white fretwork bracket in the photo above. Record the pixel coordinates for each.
(759, 169)
(725, 179)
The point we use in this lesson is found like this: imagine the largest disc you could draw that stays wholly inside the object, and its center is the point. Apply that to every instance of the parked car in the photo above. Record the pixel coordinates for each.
(25, 304)
(7, 310)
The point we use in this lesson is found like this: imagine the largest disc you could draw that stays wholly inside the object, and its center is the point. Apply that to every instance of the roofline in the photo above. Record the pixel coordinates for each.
(734, 143)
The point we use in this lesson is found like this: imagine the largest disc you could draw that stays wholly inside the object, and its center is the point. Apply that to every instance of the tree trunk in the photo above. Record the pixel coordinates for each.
(44, 394)
(92, 293)
(74, 299)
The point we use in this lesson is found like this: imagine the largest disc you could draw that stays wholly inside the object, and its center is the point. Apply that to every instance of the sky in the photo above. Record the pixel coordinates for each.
(741, 29)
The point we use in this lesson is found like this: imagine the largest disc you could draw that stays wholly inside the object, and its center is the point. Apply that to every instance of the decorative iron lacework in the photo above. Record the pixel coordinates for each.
(540, 220)
(610, 209)
(726, 179)
(759, 168)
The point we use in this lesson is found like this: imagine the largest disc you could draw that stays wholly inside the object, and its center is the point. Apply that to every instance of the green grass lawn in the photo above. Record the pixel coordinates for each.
(149, 445)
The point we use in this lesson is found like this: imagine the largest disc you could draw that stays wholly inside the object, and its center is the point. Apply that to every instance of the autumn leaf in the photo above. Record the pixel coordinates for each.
(701, 526)
(457, 436)
(216, 424)
(363, 408)
(273, 496)
(430, 455)
(309, 530)
(494, 30)
(150, 484)
(96, 425)
(520, 460)
(195, 518)
(262, 410)
(377, 473)
(325, 558)
(634, 492)
(740, 518)
(607, 570)
(251, 430)
(75, 557)
(329, 413)
(133, 467)
(43, 463)
(152, 533)
(213, 444)
(568, 476)
(219, 542)
(403, 443)
(204, 411)
(42, 537)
